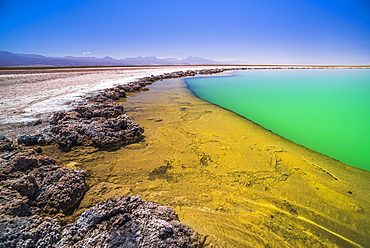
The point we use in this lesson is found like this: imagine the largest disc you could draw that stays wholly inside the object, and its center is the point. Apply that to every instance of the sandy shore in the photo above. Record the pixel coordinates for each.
(227, 177)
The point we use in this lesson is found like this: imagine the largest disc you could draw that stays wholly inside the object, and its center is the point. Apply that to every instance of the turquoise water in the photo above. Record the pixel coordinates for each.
(326, 110)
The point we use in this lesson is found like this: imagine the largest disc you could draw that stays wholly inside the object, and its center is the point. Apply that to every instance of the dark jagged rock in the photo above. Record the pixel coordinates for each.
(24, 162)
(118, 222)
(29, 232)
(32, 184)
(133, 86)
(35, 139)
(118, 92)
(5, 144)
(115, 93)
(128, 222)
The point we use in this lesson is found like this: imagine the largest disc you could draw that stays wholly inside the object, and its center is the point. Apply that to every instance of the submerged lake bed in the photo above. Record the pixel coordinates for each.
(327, 110)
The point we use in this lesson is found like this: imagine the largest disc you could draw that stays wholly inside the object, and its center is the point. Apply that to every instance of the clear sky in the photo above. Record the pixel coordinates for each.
(255, 31)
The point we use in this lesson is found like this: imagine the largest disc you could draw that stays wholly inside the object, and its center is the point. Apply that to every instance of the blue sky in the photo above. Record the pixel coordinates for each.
(255, 31)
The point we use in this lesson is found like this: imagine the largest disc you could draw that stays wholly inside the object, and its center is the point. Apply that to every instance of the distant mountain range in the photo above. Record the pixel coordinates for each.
(8, 59)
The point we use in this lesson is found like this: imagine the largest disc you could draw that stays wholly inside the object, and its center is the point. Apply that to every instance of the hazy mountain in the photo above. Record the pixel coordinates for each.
(8, 59)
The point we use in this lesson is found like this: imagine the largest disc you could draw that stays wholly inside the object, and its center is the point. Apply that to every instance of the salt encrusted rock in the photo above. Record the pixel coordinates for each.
(119, 91)
(101, 124)
(106, 110)
(34, 123)
(115, 93)
(128, 222)
(29, 232)
(96, 131)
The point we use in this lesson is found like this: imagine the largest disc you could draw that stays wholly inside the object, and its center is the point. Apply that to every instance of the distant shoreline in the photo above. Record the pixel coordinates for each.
(267, 66)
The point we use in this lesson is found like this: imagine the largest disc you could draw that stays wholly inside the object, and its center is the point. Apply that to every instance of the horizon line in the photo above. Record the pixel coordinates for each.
(262, 66)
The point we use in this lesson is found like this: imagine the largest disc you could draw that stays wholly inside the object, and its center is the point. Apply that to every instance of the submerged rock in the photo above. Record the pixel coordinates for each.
(101, 192)
(128, 222)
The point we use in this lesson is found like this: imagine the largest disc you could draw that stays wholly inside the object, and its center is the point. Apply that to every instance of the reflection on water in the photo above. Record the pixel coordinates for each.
(228, 178)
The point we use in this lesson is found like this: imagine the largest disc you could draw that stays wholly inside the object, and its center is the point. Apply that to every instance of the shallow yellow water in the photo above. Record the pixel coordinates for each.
(229, 179)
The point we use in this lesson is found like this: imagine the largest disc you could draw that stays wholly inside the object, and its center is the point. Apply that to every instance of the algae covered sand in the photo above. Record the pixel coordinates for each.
(228, 178)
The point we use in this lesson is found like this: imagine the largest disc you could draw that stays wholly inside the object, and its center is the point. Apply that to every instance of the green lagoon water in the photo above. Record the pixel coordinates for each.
(326, 110)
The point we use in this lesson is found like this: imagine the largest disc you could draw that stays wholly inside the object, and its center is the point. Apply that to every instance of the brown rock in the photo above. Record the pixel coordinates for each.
(17, 163)
(58, 189)
(31, 181)
(12, 203)
(25, 185)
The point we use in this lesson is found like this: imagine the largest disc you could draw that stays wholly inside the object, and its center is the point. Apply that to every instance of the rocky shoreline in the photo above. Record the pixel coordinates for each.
(36, 194)
(100, 121)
